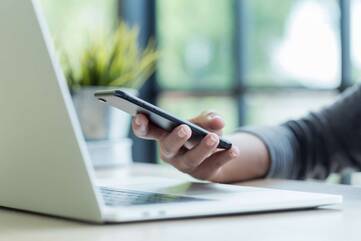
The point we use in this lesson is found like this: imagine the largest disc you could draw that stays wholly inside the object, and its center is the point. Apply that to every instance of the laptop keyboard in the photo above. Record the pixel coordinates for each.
(123, 197)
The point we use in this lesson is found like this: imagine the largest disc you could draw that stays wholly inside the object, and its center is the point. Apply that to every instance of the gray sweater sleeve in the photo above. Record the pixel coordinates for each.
(318, 144)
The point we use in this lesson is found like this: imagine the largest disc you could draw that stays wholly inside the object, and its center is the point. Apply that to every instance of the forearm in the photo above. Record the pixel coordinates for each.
(318, 144)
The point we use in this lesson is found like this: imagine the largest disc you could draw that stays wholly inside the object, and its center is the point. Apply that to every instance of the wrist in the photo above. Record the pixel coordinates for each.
(254, 151)
(253, 161)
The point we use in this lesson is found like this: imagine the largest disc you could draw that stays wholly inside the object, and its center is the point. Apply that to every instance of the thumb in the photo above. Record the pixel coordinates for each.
(210, 121)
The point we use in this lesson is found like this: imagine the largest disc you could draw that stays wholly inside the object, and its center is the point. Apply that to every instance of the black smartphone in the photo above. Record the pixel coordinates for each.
(134, 105)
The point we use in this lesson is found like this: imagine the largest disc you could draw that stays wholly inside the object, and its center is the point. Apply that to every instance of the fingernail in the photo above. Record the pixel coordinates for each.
(142, 130)
(211, 140)
(182, 133)
(234, 152)
(211, 115)
(137, 120)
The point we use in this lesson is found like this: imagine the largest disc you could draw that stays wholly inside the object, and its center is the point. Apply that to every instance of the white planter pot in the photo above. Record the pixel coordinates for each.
(100, 121)
(105, 128)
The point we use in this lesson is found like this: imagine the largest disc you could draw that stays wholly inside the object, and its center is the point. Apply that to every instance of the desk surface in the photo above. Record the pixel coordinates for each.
(321, 224)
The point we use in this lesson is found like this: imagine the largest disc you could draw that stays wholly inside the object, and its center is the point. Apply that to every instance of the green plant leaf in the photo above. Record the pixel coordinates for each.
(115, 60)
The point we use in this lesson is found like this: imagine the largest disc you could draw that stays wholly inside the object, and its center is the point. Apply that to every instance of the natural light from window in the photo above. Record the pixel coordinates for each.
(309, 51)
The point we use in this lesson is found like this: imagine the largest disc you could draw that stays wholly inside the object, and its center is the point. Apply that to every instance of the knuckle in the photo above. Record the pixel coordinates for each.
(217, 176)
(210, 172)
(185, 167)
(210, 175)
(165, 156)
(218, 163)
(204, 152)
(196, 158)
(166, 152)
(163, 136)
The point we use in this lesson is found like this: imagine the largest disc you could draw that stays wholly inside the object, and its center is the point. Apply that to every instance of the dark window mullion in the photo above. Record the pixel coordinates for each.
(240, 57)
(345, 39)
(142, 13)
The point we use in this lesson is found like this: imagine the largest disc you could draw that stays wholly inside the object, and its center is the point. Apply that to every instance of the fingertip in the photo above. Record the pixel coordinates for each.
(140, 125)
(187, 130)
(218, 118)
(212, 139)
(213, 135)
(213, 120)
(183, 132)
(216, 123)
(137, 120)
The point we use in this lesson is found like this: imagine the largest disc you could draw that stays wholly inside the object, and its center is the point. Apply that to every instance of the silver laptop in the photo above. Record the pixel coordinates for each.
(44, 164)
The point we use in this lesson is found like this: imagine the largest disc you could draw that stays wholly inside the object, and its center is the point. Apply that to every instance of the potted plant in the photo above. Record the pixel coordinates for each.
(107, 62)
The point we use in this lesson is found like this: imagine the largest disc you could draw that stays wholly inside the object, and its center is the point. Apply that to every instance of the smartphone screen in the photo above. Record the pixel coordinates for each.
(134, 105)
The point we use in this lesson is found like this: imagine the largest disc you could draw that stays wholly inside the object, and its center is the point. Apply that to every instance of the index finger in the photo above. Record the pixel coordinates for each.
(144, 129)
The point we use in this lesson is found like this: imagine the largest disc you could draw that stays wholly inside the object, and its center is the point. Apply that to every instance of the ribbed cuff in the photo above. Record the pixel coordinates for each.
(280, 146)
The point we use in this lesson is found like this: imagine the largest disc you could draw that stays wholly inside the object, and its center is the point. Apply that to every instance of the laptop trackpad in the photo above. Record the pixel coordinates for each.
(209, 190)
(182, 187)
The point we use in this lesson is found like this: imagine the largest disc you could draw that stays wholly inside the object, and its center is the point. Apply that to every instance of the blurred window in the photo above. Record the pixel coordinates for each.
(195, 38)
(73, 22)
(253, 61)
(292, 45)
(274, 108)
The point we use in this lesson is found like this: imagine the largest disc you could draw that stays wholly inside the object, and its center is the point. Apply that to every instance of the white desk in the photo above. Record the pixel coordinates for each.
(323, 224)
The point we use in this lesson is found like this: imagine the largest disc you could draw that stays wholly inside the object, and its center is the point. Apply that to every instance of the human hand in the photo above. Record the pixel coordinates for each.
(201, 160)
